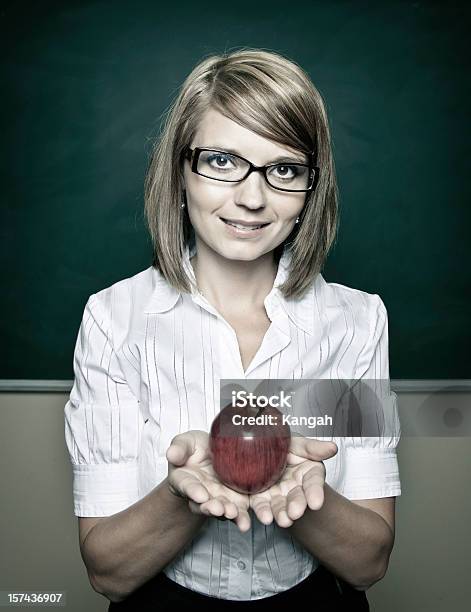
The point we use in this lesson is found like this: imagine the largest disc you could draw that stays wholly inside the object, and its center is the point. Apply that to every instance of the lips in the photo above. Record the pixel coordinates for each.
(245, 225)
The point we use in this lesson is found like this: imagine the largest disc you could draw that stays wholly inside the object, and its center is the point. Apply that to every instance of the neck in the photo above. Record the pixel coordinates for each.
(233, 285)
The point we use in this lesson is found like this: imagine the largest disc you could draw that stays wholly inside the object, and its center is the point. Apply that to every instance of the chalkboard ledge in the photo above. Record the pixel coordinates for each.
(397, 385)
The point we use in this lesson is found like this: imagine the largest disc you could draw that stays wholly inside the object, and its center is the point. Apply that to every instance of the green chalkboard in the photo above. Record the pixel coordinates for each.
(84, 86)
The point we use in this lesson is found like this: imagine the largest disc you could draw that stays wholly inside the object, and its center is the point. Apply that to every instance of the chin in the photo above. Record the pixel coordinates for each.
(244, 253)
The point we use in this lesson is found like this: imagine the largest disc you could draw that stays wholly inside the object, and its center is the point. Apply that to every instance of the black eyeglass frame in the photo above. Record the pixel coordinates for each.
(192, 155)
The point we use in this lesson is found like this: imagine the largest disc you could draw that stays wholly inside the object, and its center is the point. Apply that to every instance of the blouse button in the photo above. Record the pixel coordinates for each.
(241, 565)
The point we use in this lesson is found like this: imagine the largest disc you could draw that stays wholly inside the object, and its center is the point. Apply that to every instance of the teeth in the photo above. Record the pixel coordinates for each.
(243, 227)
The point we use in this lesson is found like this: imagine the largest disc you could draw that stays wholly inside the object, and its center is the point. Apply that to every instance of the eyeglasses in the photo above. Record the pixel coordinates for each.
(232, 168)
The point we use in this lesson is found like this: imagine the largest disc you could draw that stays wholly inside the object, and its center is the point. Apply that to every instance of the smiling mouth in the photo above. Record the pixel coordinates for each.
(244, 227)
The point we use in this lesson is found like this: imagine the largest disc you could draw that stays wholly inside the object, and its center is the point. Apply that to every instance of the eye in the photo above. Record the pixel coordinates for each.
(284, 171)
(222, 161)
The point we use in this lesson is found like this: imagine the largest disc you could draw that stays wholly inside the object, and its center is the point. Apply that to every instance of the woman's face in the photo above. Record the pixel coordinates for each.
(251, 200)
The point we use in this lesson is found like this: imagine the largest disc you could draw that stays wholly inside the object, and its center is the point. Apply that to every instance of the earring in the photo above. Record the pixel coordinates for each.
(297, 220)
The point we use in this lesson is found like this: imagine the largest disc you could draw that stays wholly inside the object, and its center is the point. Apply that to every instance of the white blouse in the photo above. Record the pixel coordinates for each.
(147, 363)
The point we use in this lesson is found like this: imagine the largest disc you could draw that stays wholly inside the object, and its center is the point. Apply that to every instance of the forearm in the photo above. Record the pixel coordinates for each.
(127, 549)
(352, 542)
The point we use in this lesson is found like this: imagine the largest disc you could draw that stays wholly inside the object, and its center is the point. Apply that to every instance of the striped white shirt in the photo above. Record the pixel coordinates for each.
(147, 363)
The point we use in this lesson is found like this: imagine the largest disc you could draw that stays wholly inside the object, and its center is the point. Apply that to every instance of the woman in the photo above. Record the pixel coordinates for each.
(241, 203)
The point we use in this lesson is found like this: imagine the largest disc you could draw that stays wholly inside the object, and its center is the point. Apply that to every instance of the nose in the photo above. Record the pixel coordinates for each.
(251, 191)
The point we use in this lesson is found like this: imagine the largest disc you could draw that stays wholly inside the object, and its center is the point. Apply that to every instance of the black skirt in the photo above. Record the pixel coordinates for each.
(320, 592)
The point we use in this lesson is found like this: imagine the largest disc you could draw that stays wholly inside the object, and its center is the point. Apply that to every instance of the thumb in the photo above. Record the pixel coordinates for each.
(331, 450)
(316, 450)
(180, 449)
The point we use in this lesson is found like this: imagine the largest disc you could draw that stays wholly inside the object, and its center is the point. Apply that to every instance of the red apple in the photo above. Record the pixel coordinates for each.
(249, 455)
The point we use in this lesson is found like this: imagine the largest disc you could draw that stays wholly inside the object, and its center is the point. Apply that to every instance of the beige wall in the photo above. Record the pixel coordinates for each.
(429, 568)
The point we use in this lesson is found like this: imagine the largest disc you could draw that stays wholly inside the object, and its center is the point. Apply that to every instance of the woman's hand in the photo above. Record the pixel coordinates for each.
(191, 476)
(301, 485)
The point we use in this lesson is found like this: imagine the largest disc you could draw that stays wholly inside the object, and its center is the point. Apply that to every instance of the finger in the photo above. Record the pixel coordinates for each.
(279, 507)
(194, 507)
(243, 520)
(296, 503)
(213, 507)
(241, 500)
(231, 511)
(230, 508)
(181, 448)
(262, 508)
(313, 486)
(315, 450)
(194, 490)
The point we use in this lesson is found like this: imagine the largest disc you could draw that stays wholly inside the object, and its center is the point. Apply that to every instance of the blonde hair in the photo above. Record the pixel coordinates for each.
(273, 97)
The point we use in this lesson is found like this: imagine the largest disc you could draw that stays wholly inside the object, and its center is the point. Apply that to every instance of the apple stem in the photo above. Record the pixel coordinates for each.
(260, 410)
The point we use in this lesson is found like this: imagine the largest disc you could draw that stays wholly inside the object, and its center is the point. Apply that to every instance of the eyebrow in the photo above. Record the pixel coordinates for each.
(280, 159)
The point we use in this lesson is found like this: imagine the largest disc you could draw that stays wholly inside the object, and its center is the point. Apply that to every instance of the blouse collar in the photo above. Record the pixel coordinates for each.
(300, 310)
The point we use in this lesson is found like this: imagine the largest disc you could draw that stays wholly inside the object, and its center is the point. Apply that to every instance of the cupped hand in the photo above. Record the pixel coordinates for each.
(191, 476)
(301, 485)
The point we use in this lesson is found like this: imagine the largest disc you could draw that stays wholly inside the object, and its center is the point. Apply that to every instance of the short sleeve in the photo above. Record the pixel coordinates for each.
(371, 461)
(103, 423)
